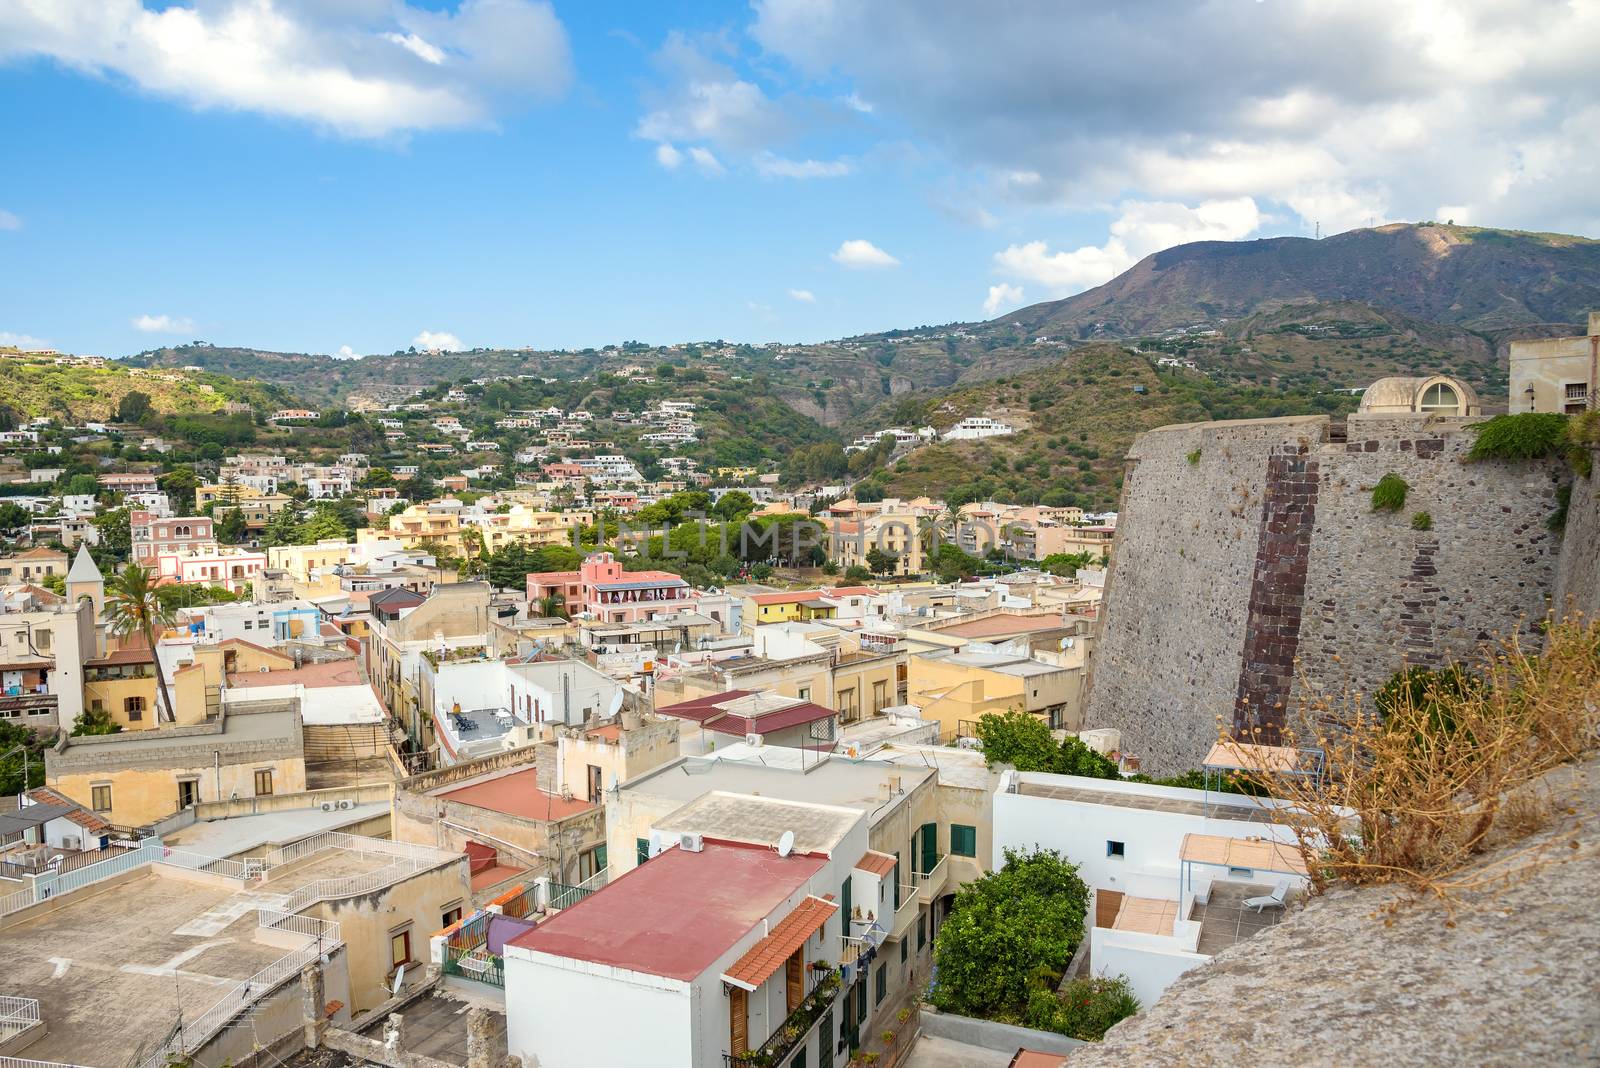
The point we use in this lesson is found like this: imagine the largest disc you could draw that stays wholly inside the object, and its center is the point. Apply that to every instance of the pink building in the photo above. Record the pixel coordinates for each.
(609, 594)
(233, 568)
(153, 536)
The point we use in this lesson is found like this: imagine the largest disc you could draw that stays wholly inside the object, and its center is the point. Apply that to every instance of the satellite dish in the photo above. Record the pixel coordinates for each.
(785, 843)
(616, 703)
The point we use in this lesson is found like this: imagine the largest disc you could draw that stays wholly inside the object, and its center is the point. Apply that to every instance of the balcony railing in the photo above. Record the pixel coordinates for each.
(475, 963)
(931, 883)
(789, 1034)
(906, 914)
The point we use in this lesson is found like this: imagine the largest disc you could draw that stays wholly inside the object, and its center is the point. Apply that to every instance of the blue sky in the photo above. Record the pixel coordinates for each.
(348, 174)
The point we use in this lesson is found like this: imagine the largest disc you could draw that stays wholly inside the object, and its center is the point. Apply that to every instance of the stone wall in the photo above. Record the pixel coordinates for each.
(1251, 571)
(1578, 571)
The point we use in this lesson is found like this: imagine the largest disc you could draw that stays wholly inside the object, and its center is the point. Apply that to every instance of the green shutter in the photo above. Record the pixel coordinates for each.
(883, 983)
(930, 846)
(896, 888)
(963, 840)
(844, 903)
(643, 847)
(599, 859)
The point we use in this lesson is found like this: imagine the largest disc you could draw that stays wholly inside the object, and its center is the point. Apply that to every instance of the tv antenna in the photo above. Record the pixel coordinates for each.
(785, 843)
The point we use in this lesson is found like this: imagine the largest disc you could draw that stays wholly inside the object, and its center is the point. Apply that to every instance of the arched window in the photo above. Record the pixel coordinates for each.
(1440, 398)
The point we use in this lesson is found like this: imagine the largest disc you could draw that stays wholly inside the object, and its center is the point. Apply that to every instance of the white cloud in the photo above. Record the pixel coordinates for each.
(858, 254)
(1140, 229)
(855, 103)
(360, 69)
(437, 341)
(346, 353)
(1002, 296)
(9, 221)
(22, 341)
(163, 324)
(772, 166)
(668, 156)
(1342, 113)
(417, 46)
(804, 296)
(706, 161)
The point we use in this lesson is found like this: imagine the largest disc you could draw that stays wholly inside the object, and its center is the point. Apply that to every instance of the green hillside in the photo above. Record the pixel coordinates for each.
(1075, 421)
(37, 386)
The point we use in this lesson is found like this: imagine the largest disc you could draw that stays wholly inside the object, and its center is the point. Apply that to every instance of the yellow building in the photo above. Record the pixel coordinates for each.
(897, 533)
(1557, 374)
(252, 749)
(957, 686)
(300, 560)
(416, 526)
(122, 684)
(530, 527)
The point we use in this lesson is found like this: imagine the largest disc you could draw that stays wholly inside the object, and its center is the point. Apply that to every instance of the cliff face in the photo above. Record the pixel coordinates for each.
(1513, 982)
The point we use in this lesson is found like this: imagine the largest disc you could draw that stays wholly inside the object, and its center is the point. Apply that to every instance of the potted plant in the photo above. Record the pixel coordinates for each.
(888, 1037)
(904, 1014)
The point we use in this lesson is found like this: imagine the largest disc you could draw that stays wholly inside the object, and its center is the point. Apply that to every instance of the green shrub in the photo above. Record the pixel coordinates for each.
(1193, 457)
(1083, 1008)
(1421, 521)
(1389, 495)
(1524, 436)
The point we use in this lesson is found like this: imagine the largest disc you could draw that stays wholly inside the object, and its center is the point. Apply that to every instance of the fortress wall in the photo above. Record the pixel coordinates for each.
(1261, 569)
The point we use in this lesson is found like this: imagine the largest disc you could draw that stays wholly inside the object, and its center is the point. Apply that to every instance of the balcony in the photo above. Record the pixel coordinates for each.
(931, 884)
(793, 1030)
(906, 914)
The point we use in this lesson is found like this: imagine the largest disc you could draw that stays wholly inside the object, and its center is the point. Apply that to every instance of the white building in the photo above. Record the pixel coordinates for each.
(1170, 868)
(978, 426)
(479, 702)
(707, 949)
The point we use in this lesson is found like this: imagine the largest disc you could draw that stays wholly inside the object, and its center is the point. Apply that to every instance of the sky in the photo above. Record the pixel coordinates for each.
(358, 176)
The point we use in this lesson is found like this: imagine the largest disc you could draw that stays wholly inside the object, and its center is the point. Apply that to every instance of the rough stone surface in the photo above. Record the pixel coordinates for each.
(1259, 573)
(1512, 983)
(1578, 574)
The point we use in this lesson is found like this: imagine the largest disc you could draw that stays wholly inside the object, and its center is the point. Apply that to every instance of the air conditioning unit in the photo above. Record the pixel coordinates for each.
(752, 739)
(346, 804)
(327, 806)
(692, 842)
(70, 841)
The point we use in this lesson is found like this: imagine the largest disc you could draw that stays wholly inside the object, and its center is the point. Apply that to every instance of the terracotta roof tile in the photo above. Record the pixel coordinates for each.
(767, 956)
(875, 863)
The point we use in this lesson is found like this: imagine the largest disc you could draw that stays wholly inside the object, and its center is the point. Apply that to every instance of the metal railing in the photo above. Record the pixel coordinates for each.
(322, 937)
(564, 895)
(794, 1028)
(23, 1062)
(53, 885)
(475, 963)
(930, 883)
(17, 1015)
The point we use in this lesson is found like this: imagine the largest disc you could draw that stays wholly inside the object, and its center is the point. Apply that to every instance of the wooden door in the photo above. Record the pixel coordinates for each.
(795, 979)
(738, 1021)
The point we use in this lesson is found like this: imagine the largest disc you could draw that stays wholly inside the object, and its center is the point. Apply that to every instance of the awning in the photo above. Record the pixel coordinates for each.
(768, 955)
(1257, 853)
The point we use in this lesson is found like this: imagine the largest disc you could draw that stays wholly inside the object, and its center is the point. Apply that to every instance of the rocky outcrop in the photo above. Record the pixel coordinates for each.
(1511, 979)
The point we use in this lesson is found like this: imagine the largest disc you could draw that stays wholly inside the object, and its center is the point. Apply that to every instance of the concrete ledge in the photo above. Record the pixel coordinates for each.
(987, 1034)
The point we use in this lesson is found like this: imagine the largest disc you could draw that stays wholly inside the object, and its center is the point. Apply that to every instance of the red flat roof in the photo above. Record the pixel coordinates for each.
(677, 913)
(703, 710)
(518, 794)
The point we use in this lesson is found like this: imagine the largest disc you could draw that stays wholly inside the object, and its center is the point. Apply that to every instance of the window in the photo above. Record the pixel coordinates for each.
(591, 863)
(922, 931)
(1116, 849)
(41, 638)
(904, 949)
(399, 947)
(880, 696)
(881, 985)
(188, 792)
(263, 782)
(97, 705)
(450, 914)
(100, 797)
(1439, 398)
(133, 708)
(642, 849)
(1575, 397)
(805, 693)
(963, 840)
(596, 788)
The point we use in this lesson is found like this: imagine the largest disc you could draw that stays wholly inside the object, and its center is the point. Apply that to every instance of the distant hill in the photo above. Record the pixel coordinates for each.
(39, 386)
(1075, 420)
(1472, 277)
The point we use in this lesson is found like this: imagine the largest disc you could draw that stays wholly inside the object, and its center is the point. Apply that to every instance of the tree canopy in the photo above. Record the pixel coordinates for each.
(1009, 933)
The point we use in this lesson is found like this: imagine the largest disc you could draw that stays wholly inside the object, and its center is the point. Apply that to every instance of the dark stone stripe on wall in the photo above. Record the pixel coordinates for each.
(1277, 594)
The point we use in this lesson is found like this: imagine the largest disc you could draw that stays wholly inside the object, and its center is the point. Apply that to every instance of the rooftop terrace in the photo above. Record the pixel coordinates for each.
(1219, 806)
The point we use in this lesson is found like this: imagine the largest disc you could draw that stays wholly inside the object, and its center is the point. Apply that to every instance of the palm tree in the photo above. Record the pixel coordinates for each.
(134, 605)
